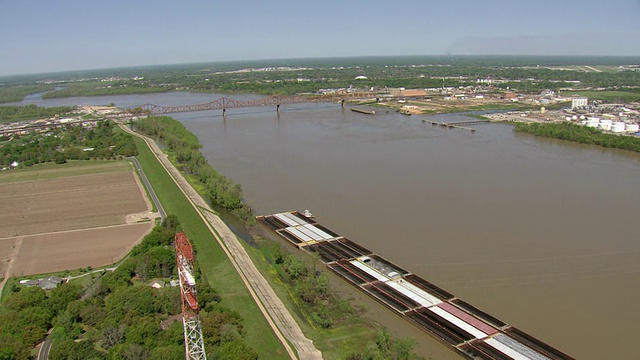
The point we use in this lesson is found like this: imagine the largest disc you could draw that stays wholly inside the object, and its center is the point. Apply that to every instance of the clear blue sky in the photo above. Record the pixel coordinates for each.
(44, 35)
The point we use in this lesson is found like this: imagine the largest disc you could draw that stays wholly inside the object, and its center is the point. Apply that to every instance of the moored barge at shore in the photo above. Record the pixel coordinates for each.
(470, 332)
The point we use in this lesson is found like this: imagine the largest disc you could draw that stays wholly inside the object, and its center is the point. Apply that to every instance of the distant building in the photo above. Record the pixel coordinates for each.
(30, 283)
(158, 284)
(579, 102)
(49, 283)
(485, 81)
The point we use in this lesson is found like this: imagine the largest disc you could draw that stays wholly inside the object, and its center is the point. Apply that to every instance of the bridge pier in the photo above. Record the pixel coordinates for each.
(278, 108)
(224, 112)
(342, 103)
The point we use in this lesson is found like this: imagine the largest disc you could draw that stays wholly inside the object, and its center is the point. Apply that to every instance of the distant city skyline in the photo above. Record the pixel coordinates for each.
(41, 36)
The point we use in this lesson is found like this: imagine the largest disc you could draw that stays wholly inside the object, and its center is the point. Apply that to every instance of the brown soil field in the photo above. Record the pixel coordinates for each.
(70, 250)
(68, 203)
(6, 252)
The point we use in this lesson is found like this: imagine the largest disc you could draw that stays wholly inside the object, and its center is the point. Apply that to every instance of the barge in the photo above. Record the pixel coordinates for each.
(470, 332)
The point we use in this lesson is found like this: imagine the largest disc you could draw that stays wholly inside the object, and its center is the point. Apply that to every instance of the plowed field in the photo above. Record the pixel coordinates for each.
(68, 203)
(69, 250)
(64, 217)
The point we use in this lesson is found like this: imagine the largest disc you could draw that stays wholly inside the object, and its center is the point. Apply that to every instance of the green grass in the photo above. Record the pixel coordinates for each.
(51, 170)
(477, 116)
(353, 333)
(91, 117)
(608, 96)
(96, 88)
(212, 260)
(15, 93)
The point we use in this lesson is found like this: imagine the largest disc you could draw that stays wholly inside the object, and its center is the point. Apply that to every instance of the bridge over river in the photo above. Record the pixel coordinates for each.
(276, 100)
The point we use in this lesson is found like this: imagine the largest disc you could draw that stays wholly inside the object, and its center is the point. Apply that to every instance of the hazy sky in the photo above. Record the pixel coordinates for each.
(46, 35)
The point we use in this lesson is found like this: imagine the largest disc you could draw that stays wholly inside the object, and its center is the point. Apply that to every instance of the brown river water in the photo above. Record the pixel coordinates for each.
(542, 234)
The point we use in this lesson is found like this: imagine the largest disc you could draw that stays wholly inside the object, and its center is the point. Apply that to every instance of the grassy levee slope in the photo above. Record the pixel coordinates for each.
(213, 262)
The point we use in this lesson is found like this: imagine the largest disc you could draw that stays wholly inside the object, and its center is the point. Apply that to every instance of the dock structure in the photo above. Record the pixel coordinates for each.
(458, 124)
(470, 332)
(469, 122)
(362, 111)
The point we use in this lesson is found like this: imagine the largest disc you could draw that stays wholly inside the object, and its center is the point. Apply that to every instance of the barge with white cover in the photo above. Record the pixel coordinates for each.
(470, 332)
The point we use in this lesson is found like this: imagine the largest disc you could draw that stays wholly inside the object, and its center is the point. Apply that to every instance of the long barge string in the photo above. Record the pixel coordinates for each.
(470, 332)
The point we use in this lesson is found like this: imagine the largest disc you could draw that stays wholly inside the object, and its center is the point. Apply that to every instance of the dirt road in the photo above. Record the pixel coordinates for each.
(271, 306)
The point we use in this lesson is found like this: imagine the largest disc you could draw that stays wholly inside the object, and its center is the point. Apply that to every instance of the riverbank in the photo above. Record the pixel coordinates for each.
(212, 260)
(377, 179)
(579, 134)
(331, 329)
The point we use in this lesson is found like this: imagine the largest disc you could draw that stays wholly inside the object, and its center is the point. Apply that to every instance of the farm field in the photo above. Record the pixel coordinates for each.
(68, 203)
(52, 252)
(63, 217)
(6, 250)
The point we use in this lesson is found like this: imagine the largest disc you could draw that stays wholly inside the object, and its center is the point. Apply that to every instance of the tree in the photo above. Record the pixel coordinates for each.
(174, 352)
(63, 295)
(60, 158)
(66, 349)
(129, 352)
(26, 297)
(112, 335)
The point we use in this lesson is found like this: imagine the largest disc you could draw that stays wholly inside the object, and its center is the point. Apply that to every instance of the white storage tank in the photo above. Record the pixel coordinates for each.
(617, 126)
(592, 123)
(605, 124)
(574, 117)
(632, 127)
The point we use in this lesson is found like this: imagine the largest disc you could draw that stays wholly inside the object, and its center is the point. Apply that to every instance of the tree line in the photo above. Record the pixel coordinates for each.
(526, 74)
(580, 134)
(17, 91)
(186, 148)
(104, 141)
(28, 112)
(311, 290)
(92, 88)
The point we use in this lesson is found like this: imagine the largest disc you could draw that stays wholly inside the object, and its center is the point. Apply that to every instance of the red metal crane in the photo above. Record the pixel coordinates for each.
(193, 340)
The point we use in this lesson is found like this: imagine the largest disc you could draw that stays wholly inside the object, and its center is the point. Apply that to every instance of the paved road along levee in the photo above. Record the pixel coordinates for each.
(271, 306)
(152, 193)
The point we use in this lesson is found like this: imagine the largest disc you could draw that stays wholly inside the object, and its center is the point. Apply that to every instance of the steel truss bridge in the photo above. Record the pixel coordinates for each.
(276, 100)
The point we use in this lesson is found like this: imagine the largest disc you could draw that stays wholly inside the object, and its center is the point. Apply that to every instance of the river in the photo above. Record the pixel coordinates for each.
(539, 233)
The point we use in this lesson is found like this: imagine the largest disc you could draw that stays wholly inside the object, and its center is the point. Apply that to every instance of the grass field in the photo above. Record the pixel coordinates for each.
(71, 168)
(214, 264)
